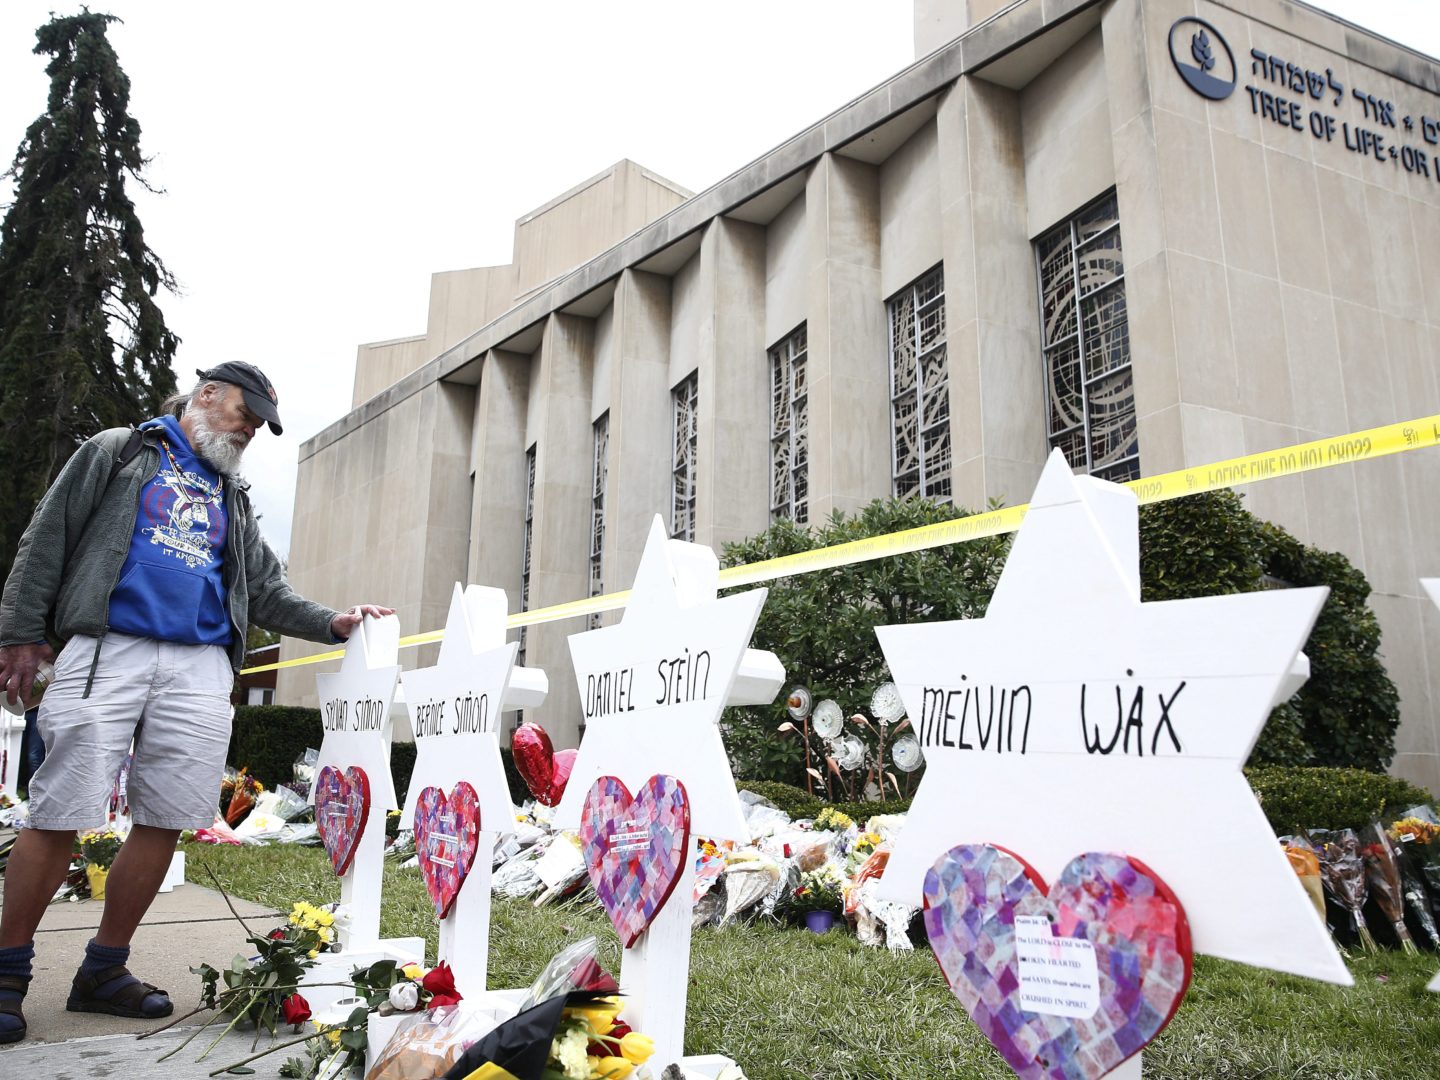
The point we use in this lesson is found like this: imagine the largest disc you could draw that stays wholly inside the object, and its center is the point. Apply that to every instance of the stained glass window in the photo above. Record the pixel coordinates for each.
(1085, 333)
(789, 431)
(920, 389)
(682, 501)
(599, 469)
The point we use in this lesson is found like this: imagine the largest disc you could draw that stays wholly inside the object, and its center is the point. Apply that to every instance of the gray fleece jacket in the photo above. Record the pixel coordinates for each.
(70, 557)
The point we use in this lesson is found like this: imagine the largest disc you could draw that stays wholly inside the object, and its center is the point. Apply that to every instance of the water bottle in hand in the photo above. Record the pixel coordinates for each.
(43, 676)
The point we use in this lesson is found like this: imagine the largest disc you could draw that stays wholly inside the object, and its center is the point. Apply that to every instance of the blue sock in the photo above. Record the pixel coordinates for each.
(15, 962)
(99, 957)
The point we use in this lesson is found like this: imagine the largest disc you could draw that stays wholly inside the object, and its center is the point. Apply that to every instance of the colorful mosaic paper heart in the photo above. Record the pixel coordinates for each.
(635, 848)
(1128, 956)
(447, 836)
(342, 806)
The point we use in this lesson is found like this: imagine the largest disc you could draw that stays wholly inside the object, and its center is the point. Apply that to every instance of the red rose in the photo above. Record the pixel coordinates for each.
(278, 934)
(588, 975)
(295, 1009)
(598, 1049)
(439, 982)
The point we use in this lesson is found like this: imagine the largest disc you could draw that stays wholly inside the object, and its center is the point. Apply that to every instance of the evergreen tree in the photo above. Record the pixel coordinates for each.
(83, 345)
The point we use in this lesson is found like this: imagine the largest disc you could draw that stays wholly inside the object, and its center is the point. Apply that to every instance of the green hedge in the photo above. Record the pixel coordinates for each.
(799, 803)
(267, 739)
(1346, 714)
(1322, 798)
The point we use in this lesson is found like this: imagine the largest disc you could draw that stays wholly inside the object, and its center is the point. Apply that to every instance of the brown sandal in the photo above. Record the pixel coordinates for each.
(12, 1006)
(128, 1001)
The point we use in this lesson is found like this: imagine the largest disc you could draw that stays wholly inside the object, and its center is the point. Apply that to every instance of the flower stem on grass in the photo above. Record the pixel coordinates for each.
(219, 1008)
(263, 1053)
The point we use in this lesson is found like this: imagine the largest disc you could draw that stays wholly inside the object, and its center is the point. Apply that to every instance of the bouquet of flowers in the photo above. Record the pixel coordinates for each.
(1383, 875)
(1342, 869)
(1306, 864)
(304, 772)
(819, 890)
(1418, 835)
(100, 847)
(1416, 840)
(244, 789)
(576, 1035)
(830, 818)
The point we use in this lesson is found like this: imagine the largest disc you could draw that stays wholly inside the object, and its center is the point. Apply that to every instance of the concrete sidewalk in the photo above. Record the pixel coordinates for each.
(183, 928)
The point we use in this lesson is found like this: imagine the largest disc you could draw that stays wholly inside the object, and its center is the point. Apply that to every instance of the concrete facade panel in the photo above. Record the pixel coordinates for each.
(910, 211)
(786, 273)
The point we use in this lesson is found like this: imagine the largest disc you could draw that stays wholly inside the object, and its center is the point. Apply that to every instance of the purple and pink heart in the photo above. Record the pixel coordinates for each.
(342, 806)
(447, 836)
(1137, 928)
(635, 848)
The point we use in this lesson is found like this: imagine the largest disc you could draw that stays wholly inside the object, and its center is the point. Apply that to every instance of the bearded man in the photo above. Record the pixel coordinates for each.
(145, 559)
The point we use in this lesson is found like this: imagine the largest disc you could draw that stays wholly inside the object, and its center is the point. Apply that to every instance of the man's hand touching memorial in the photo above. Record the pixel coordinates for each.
(18, 667)
(344, 624)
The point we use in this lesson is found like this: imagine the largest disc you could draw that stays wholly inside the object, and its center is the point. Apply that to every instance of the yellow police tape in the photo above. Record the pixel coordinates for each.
(1287, 461)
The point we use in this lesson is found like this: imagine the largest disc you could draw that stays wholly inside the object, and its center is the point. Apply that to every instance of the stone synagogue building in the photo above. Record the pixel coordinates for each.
(1152, 233)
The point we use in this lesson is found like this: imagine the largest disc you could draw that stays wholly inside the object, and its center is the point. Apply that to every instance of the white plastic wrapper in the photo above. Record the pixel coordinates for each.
(305, 833)
(884, 922)
(747, 883)
(764, 820)
(517, 879)
(505, 850)
(527, 834)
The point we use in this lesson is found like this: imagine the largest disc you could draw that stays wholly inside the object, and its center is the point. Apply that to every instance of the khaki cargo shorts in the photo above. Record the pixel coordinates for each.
(171, 700)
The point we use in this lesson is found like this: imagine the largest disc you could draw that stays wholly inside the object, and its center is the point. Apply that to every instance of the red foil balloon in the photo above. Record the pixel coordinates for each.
(564, 762)
(535, 759)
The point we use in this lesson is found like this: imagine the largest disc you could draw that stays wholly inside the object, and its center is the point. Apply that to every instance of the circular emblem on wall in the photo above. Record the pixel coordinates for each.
(1203, 58)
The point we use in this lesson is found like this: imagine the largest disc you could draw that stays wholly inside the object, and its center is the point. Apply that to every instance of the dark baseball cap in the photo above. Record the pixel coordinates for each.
(260, 395)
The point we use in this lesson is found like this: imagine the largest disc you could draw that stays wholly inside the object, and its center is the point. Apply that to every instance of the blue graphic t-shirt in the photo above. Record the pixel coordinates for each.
(170, 586)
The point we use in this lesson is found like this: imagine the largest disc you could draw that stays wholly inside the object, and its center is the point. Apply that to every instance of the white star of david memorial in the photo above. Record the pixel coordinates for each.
(1075, 718)
(454, 710)
(355, 707)
(355, 711)
(455, 706)
(652, 687)
(1432, 586)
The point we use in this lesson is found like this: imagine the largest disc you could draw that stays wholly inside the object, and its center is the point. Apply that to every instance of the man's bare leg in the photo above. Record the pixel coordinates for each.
(135, 878)
(38, 864)
(103, 983)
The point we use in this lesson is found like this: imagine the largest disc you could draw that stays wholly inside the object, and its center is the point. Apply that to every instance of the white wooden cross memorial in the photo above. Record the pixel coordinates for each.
(1432, 586)
(652, 687)
(1073, 718)
(454, 709)
(355, 711)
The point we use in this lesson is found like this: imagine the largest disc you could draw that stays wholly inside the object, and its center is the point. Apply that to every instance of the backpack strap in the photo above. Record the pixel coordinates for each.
(126, 455)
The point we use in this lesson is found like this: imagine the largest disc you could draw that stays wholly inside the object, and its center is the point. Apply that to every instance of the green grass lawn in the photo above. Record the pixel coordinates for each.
(789, 1005)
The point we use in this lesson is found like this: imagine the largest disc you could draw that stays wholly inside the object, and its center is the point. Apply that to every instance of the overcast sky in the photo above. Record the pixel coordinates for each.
(321, 160)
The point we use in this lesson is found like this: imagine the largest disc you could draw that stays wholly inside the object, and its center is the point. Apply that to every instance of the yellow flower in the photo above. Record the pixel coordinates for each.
(611, 1068)
(326, 934)
(413, 971)
(313, 953)
(325, 918)
(600, 1015)
(636, 1047)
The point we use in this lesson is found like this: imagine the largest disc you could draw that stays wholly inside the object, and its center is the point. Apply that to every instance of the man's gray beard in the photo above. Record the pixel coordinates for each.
(221, 450)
